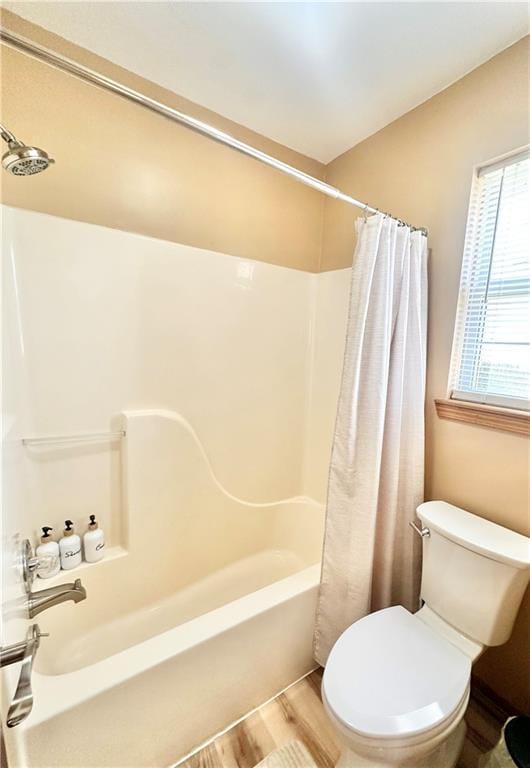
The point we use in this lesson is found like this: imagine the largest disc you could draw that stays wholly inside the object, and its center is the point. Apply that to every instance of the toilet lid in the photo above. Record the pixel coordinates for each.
(391, 675)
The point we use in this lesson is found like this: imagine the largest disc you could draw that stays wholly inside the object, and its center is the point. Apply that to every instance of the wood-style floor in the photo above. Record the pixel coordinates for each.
(298, 714)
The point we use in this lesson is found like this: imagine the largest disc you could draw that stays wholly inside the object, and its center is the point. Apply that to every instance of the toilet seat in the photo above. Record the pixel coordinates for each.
(390, 676)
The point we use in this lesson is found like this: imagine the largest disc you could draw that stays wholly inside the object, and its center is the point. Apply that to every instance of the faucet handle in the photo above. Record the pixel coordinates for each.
(22, 703)
(32, 563)
(29, 563)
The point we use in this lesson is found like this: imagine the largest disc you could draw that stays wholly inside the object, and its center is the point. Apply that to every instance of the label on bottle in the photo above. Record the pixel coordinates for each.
(72, 553)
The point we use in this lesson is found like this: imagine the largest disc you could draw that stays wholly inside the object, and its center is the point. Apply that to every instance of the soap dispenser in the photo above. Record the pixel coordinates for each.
(70, 547)
(94, 542)
(48, 555)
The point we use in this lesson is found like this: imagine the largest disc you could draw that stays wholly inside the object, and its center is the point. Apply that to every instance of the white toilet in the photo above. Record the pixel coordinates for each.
(396, 684)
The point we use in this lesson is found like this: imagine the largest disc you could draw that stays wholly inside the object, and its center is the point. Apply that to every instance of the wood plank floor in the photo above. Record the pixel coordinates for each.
(298, 714)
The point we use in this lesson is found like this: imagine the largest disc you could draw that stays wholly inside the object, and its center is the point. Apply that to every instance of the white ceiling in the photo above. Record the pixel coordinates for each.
(317, 77)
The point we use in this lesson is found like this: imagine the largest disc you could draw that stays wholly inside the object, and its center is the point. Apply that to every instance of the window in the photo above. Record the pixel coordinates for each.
(491, 350)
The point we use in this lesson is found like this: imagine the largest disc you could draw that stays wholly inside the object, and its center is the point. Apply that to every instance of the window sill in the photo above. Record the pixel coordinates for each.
(506, 419)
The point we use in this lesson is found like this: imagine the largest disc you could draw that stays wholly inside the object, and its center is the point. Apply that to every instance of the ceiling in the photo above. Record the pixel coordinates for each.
(317, 77)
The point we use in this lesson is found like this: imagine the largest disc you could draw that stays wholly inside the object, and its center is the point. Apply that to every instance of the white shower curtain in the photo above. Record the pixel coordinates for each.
(371, 556)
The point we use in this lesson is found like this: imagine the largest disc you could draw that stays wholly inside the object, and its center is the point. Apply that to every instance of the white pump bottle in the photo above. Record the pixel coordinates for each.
(48, 554)
(94, 542)
(70, 547)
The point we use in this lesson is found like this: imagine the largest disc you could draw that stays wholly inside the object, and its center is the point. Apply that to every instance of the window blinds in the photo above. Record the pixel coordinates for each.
(491, 351)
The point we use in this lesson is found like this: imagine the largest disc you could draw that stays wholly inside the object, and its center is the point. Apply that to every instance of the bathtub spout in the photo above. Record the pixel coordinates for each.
(46, 598)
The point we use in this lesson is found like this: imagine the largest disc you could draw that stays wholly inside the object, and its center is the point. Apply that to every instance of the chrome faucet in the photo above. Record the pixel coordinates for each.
(24, 652)
(46, 598)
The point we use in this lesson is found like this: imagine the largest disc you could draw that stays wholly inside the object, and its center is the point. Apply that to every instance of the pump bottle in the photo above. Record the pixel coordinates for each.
(48, 554)
(70, 547)
(94, 542)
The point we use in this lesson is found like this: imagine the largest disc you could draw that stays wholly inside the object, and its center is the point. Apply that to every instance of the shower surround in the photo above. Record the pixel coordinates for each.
(223, 372)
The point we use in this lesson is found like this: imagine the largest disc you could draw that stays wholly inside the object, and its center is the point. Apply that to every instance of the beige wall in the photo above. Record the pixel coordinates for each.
(420, 168)
(121, 166)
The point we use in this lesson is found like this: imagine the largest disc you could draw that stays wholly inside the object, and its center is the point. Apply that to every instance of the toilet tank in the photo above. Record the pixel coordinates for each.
(474, 572)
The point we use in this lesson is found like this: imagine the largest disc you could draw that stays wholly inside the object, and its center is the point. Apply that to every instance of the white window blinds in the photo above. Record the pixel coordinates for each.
(491, 350)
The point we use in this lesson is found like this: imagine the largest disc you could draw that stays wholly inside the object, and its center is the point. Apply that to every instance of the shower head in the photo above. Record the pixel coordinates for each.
(20, 159)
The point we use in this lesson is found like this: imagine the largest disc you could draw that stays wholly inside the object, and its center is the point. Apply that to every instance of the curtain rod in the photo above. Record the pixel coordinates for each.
(90, 76)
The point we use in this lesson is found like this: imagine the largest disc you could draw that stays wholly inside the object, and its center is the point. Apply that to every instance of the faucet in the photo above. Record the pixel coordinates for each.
(46, 598)
(24, 652)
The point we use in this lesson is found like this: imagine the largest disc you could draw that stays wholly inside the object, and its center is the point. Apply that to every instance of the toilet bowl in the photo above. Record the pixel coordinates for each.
(396, 692)
(396, 684)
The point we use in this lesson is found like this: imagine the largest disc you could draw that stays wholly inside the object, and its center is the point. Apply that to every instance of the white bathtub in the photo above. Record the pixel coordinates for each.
(205, 612)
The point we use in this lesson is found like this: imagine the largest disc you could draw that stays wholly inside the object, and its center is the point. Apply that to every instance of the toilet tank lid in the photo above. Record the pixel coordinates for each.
(476, 533)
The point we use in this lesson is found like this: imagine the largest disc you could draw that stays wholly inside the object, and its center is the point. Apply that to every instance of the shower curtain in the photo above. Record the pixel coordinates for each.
(371, 557)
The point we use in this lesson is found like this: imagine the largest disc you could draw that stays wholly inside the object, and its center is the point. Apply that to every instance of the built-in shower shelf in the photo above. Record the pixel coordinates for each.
(112, 553)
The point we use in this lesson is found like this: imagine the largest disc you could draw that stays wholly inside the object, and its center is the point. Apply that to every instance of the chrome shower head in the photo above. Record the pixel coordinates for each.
(20, 159)
(25, 161)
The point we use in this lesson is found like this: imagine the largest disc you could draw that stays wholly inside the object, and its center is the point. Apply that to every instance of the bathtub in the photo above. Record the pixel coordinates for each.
(203, 612)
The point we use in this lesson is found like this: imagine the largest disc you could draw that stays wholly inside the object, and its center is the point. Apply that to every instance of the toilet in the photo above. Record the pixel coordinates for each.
(396, 684)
